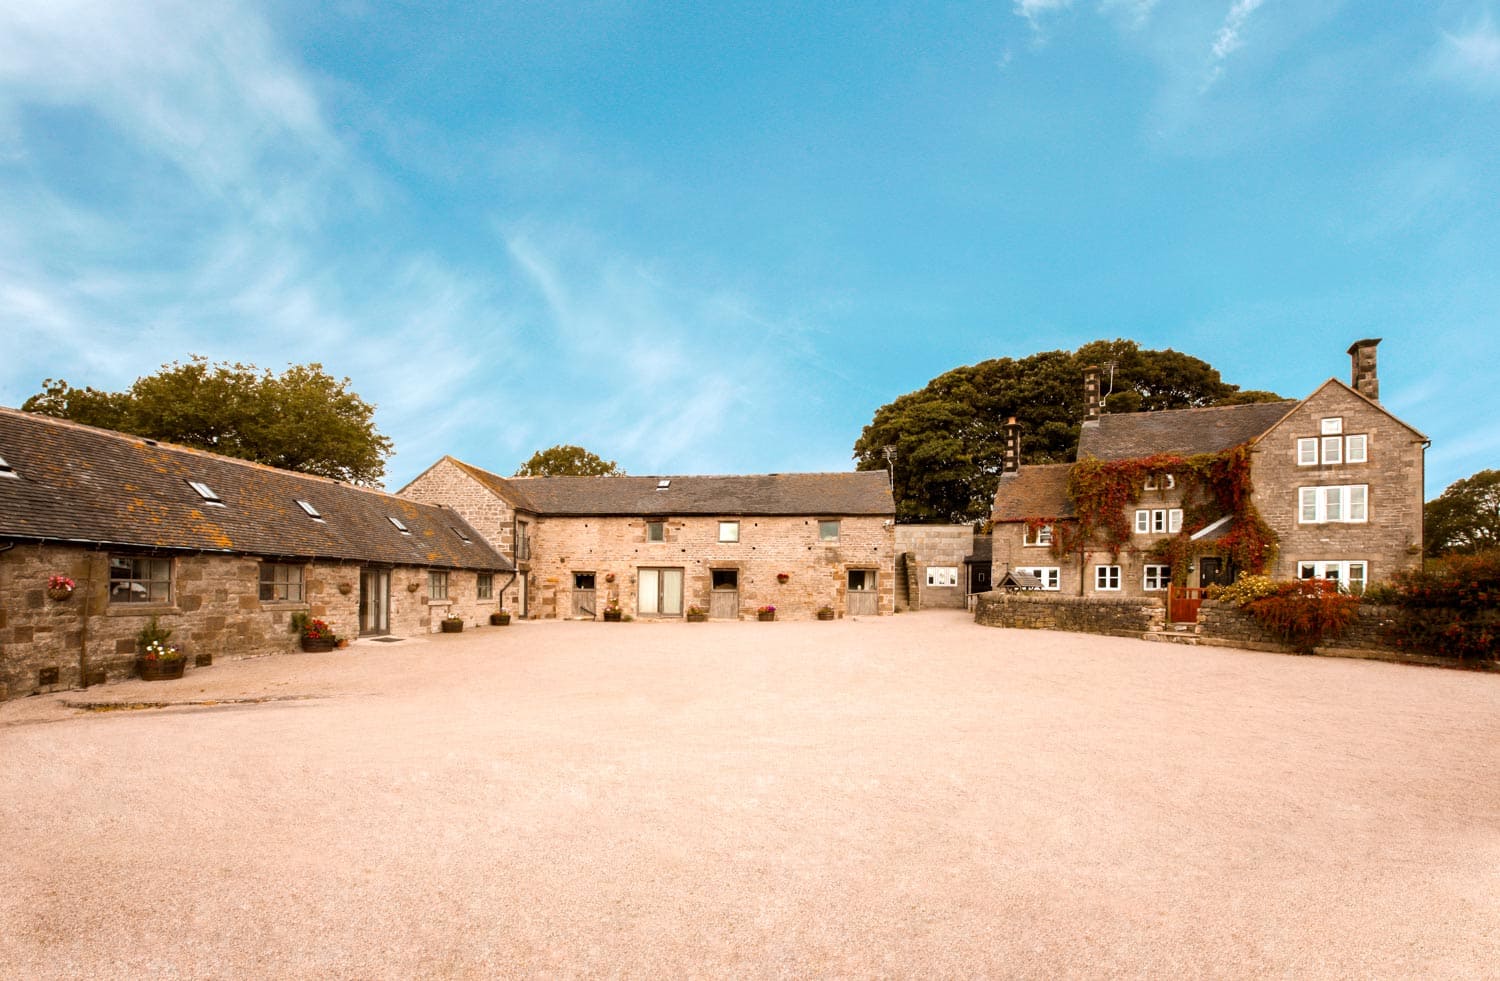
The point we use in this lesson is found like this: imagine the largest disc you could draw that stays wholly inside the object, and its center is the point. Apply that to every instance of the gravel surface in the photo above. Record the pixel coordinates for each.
(908, 796)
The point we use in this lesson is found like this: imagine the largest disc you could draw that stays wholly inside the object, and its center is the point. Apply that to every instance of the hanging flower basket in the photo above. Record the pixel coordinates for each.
(60, 588)
(782, 578)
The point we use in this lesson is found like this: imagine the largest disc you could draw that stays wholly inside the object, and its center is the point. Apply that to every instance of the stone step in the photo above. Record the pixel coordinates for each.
(1171, 637)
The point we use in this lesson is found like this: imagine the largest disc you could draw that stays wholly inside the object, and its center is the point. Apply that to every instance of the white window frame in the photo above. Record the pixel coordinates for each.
(1155, 578)
(206, 492)
(1158, 521)
(1169, 482)
(729, 532)
(1362, 441)
(1042, 538)
(942, 575)
(1333, 450)
(311, 511)
(1307, 451)
(1340, 571)
(1333, 504)
(1050, 575)
(1332, 426)
(1106, 579)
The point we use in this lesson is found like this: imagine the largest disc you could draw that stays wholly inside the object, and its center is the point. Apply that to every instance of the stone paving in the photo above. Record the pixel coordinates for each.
(913, 795)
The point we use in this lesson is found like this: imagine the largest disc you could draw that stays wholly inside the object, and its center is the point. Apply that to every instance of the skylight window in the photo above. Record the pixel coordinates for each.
(461, 535)
(312, 512)
(206, 492)
(664, 483)
(399, 526)
(6, 470)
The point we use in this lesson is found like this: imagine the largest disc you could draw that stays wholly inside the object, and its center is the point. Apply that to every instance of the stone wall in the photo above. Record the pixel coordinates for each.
(1226, 625)
(215, 611)
(448, 485)
(817, 571)
(1091, 615)
(936, 545)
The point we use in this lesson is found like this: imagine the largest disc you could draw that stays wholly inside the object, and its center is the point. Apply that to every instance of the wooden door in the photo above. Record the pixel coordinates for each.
(583, 595)
(862, 599)
(724, 597)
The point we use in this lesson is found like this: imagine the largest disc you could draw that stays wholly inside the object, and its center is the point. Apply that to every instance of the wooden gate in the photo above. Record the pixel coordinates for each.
(1183, 603)
(583, 603)
(724, 604)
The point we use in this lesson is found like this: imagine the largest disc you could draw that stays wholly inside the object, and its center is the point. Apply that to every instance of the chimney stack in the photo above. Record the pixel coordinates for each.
(1362, 369)
(1010, 465)
(1091, 393)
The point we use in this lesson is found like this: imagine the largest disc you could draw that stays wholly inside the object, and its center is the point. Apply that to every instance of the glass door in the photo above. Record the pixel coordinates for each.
(374, 601)
(659, 593)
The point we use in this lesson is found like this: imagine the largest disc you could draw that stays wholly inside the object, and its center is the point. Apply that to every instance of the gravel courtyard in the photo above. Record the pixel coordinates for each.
(911, 796)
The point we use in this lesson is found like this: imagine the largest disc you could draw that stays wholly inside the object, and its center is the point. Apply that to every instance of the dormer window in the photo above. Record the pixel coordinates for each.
(399, 526)
(6, 470)
(206, 492)
(312, 512)
(1164, 482)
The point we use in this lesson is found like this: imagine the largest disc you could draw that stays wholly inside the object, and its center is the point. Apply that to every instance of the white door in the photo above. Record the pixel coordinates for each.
(659, 593)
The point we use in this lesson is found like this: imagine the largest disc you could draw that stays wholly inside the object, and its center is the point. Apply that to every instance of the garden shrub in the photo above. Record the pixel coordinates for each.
(1301, 613)
(1451, 609)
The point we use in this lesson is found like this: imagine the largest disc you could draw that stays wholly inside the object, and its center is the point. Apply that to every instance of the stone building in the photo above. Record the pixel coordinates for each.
(940, 566)
(222, 552)
(656, 546)
(1336, 477)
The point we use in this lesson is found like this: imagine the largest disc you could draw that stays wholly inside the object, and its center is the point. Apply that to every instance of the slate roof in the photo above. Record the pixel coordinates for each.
(850, 494)
(1038, 491)
(1185, 432)
(984, 550)
(76, 483)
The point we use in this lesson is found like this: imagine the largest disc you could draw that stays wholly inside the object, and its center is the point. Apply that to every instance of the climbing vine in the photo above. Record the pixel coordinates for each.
(1212, 485)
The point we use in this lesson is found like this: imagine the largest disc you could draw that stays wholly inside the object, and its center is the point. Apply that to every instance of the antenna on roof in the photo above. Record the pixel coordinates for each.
(1111, 365)
(890, 461)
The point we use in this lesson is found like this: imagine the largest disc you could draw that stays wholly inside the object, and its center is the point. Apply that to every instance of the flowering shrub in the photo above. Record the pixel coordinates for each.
(317, 630)
(766, 609)
(60, 582)
(1304, 611)
(1452, 609)
(1244, 589)
(159, 651)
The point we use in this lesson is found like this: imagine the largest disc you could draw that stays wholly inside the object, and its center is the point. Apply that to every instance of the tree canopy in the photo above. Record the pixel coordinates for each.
(302, 419)
(948, 438)
(566, 460)
(1465, 518)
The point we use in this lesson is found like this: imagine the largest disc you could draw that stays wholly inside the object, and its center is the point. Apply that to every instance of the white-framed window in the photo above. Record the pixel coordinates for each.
(1333, 449)
(1307, 451)
(139, 580)
(942, 575)
(729, 531)
(1166, 482)
(1156, 578)
(1331, 426)
(1152, 521)
(398, 524)
(280, 581)
(1356, 449)
(1037, 537)
(828, 531)
(1348, 503)
(1050, 575)
(206, 492)
(1106, 578)
(1351, 576)
(311, 511)
(437, 585)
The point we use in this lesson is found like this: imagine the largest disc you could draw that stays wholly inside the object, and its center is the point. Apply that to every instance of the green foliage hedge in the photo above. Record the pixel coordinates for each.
(1451, 609)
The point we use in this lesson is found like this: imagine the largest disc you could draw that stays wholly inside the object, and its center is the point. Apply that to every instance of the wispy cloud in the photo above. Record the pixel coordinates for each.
(1229, 38)
(1035, 10)
(1471, 58)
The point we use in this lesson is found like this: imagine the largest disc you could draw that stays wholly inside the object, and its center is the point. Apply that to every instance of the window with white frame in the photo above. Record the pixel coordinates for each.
(1333, 449)
(1351, 576)
(437, 585)
(942, 575)
(1164, 482)
(1156, 578)
(1356, 449)
(1050, 575)
(729, 531)
(1151, 521)
(1106, 578)
(1331, 426)
(1348, 504)
(280, 581)
(1037, 536)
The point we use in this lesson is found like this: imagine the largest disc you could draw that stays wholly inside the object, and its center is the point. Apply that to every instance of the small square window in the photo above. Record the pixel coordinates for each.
(729, 531)
(133, 580)
(1332, 427)
(1157, 578)
(1041, 535)
(280, 582)
(656, 531)
(828, 531)
(1107, 578)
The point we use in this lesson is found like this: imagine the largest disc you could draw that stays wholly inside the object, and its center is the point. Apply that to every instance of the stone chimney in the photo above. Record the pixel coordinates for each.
(1362, 369)
(1091, 393)
(1010, 465)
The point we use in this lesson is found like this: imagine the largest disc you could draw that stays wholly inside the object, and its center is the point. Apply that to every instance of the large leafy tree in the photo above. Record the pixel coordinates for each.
(1465, 517)
(947, 439)
(302, 419)
(566, 460)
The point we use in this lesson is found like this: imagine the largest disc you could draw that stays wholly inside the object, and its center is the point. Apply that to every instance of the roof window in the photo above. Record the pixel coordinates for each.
(6, 470)
(399, 526)
(206, 492)
(312, 512)
(461, 535)
(664, 483)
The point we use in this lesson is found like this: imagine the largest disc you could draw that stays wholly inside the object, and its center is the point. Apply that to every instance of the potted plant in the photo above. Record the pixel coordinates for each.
(825, 613)
(782, 577)
(60, 587)
(767, 612)
(500, 618)
(341, 642)
(696, 614)
(158, 660)
(317, 635)
(453, 624)
(612, 611)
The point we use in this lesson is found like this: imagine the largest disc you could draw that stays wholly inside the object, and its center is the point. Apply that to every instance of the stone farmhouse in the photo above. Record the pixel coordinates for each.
(223, 552)
(1336, 478)
(655, 546)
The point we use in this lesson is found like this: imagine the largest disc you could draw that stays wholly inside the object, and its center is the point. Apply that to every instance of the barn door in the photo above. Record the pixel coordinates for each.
(583, 594)
(724, 598)
(862, 599)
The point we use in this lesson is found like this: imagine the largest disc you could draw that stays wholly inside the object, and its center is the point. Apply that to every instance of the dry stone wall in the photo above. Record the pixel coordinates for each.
(1091, 615)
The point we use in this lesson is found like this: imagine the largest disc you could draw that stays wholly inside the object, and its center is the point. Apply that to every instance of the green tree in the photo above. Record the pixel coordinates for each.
(302, 419)
(948, 438)
(565, 460)
(1466, 517)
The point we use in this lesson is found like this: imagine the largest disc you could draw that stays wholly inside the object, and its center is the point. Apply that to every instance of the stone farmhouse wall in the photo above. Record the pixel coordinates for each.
(215, 611)
(1391, 540)
(1078, 614)
(817, 572)
(925, 546)
(449, 485)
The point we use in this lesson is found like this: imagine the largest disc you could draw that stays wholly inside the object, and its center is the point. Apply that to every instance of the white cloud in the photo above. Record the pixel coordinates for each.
(1471, 58)
(1229, 39)
(1034, 10)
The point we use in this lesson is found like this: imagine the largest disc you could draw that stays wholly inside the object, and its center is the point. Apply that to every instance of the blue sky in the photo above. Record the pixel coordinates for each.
(703, 239)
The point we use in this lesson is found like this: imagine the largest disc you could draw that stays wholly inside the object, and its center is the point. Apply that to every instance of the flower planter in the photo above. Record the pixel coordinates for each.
(697, 617)
(59, 594)
(765, 617)
(499, 619)
(825, 614)
(613, 616)
(317, 645)
(453, 626)
(156, 669)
